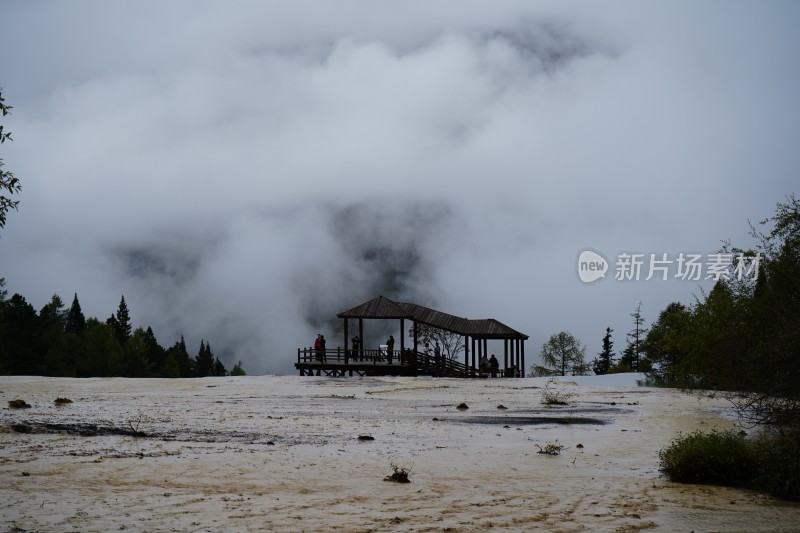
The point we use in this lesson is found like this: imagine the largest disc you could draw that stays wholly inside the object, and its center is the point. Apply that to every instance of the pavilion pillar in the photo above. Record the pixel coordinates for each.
(402, 341)
(486, 349)
(515, 362)
(505, 356)
(522, 354)
(466, 351)
(473, 352)
(346, 351)
(360, 339)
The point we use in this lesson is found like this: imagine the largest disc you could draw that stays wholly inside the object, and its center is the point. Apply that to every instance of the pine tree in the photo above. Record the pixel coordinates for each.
(602, 364)
(170, 367)
(137, 364)
(100, 353)
(114, 323)
(237, 370)
(181, 356)
(204, 362)
(631, 356)
(59, 359)
(626, 360)
(123, 322)
(21, 345)
(219, 368)
(665, 346)
(155, 352)
(75, 322)
(53, 312)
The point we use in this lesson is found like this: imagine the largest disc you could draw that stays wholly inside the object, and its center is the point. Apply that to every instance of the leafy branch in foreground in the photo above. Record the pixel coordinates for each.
(8, 182)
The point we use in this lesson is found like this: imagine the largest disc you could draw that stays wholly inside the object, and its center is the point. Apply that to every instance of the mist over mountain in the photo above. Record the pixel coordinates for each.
(243, 172)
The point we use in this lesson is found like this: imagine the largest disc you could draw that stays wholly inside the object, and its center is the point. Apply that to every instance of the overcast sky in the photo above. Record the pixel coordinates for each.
(243, 171)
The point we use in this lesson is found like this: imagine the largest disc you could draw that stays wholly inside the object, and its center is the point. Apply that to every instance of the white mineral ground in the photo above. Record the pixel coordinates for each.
(273, 453)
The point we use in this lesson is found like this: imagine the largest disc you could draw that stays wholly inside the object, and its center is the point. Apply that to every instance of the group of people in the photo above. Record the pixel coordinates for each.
(490, 365)
(437, 351)
(356, 353)
(319, 347)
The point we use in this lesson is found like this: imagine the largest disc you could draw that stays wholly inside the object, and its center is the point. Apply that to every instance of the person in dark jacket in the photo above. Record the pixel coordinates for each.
(494, 365)
(389, 348)
(317, 353)
(319, 347)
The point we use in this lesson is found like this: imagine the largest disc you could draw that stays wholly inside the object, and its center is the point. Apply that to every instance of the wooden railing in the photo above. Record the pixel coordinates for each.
(340, 355)
(426, 363)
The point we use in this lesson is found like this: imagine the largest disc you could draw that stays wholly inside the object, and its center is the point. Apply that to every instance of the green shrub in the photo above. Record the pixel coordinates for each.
(717, 458)
(551, 448)
(779, 472)
(770, 463)
(18, 404)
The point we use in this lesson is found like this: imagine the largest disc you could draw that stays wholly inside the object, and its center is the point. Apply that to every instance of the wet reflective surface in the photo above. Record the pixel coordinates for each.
(283, 453)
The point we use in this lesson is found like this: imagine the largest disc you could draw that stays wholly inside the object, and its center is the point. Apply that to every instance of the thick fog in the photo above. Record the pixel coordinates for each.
(244, 171)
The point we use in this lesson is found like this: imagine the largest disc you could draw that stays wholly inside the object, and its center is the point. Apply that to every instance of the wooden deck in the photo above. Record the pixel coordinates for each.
(341, 363)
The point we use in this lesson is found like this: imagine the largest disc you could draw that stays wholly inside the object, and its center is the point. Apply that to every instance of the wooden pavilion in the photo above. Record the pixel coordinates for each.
(409, 360)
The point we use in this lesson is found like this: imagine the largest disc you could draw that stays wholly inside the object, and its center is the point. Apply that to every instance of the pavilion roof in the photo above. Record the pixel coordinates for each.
(382, 307)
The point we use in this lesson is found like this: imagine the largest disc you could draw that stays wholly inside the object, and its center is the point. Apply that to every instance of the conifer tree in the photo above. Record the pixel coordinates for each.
(626, 360)
(53, 312)
(114, 323)
(665, 346)
(170, 369)
(602, 363)
(100, 353)
(137, 364)
(561, 354)
(219, 368)
(75, 322)
(237, 370)
(204, 362)
(123, 322)
(22, 340)
(181, 356)
(631, 356)
(59, 359)
(155, 352)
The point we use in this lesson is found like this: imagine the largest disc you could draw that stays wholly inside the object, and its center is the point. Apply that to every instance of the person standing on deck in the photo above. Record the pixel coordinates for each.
(356, 343)
(319, 345)
(389, 348)
(437, 351)
(317, 353)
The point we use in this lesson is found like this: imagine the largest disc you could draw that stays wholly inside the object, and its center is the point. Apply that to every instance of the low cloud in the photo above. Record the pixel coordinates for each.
(242, 175)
